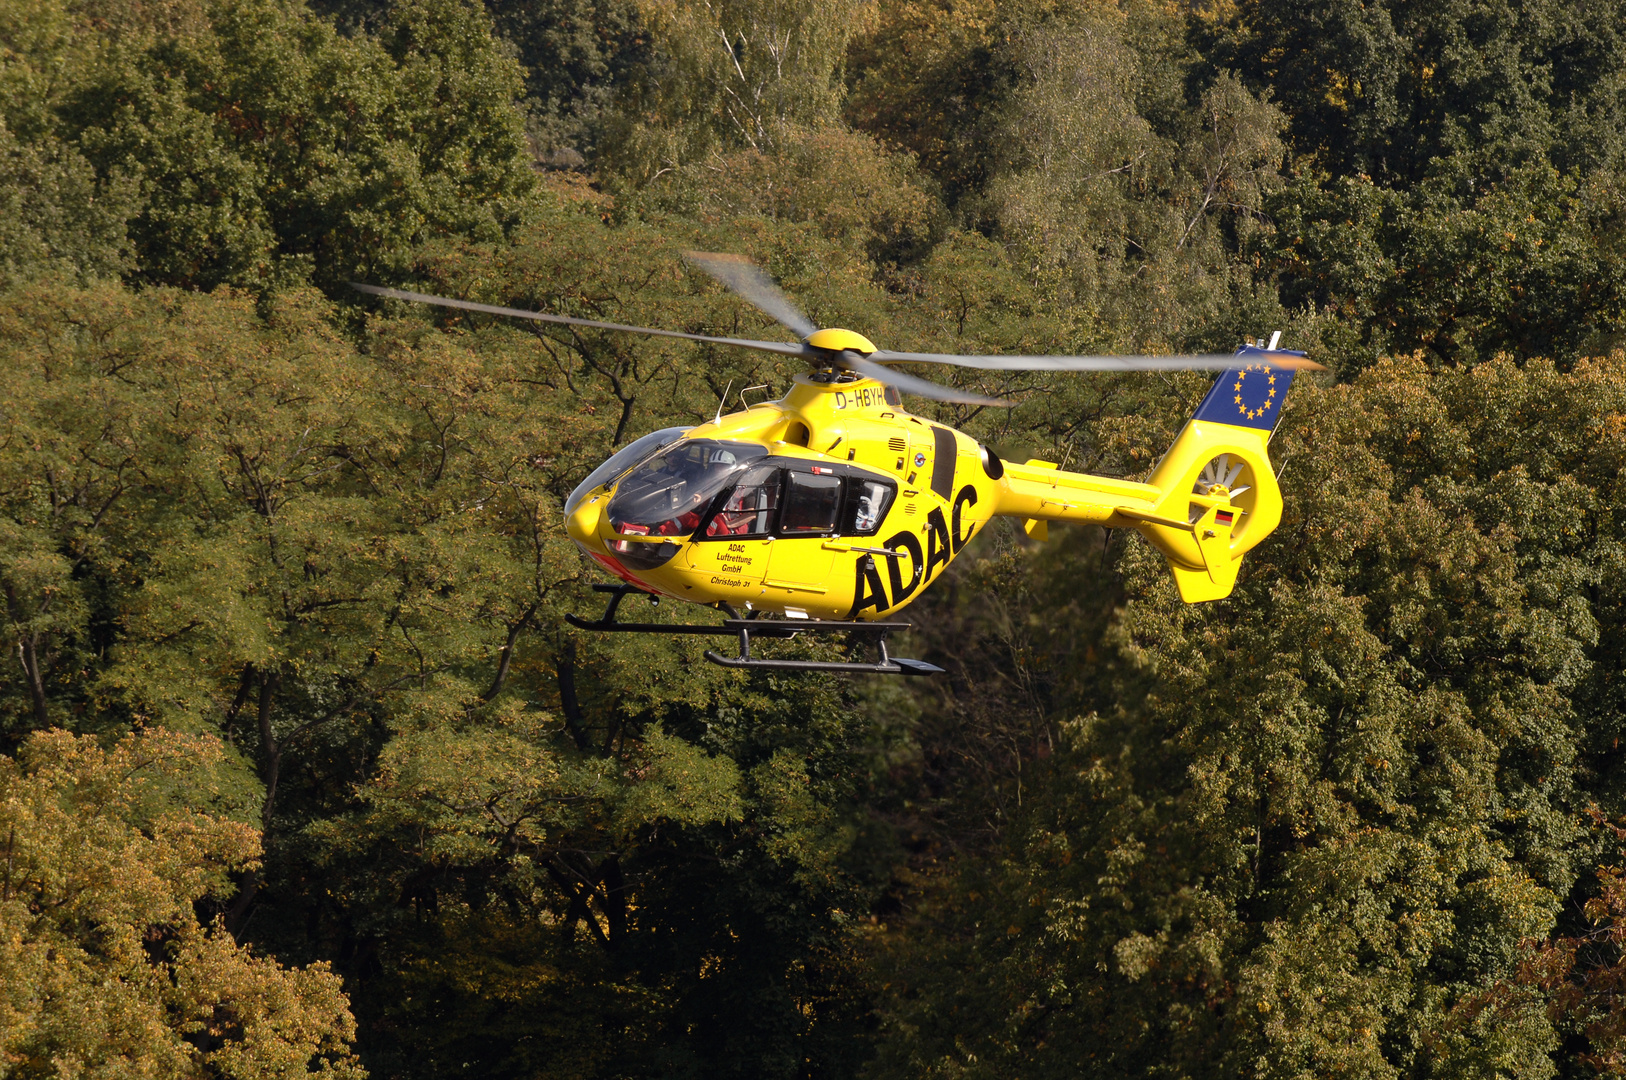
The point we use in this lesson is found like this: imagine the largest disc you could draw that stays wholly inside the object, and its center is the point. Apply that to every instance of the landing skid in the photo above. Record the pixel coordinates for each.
(875, 633)
(607, 622)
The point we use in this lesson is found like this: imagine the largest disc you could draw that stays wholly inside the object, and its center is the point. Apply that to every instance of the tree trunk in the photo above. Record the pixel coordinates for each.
(507, 655)
(567, 695)
(270, 752)
(248, 885)
(27, 651)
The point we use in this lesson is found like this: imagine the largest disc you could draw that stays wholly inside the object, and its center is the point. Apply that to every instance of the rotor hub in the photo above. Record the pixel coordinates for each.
(833, 373)
(838, 340)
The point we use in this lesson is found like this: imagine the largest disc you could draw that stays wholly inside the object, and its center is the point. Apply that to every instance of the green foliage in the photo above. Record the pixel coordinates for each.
(312, 550)
(349, 564)
(1288, 833)
(576, 57)
(55, 215)
(925, 76)
(1576, 975)
(1526, 266)
(1385, 89)
(107, 970)
(731, 75)
(1125, 219)
(250, 144)
(1457, 170)
(1122, 194)
(877, 204)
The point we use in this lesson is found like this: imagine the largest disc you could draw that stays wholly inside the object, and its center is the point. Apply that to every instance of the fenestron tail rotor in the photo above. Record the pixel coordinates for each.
(1223, 478)
(1220, 473)
(856, 354)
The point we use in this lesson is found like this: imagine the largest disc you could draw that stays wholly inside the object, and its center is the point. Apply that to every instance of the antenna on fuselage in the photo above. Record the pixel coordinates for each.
(1274, 338)
(723, 401)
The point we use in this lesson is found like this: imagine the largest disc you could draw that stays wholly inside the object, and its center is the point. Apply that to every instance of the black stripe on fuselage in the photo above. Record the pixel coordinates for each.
(943, 462)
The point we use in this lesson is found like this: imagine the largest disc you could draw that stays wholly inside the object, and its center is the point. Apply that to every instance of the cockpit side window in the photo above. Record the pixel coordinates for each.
(770, 501)
(812, 504)
(867, 504)
(750, 509)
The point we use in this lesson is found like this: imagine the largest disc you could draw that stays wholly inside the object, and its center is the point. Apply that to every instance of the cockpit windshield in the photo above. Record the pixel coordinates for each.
(668, 494)
(622, 460)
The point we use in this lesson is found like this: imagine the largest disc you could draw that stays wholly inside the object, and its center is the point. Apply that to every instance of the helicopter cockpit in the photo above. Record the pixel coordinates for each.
(709, 489)
(667, 494)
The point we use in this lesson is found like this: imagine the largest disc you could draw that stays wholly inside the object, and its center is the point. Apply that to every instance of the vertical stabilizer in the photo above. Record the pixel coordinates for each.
(1219, 496)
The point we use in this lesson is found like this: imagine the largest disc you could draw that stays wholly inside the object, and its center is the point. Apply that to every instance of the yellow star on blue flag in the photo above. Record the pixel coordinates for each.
(1250, 396)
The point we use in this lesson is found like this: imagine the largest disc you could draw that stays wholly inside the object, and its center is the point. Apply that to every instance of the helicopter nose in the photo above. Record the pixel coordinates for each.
(582, 525)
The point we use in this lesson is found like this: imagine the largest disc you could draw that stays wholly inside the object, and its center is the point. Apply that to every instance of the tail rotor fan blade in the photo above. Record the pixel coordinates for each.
(745, 279)
(1220, 472)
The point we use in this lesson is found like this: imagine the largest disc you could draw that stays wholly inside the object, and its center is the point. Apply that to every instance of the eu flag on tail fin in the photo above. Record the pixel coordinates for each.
(1249, 396)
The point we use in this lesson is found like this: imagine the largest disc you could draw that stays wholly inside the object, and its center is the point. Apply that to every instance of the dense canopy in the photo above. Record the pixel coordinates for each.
(302, 770)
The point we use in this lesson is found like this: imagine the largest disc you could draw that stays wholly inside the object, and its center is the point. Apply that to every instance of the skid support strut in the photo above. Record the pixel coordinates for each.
(618, 593)
(874, 634)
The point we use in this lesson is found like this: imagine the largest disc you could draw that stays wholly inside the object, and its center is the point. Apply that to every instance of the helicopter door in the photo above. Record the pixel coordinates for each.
(733, 543)
(799, 559)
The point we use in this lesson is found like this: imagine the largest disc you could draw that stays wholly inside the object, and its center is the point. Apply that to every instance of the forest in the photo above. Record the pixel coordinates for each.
(302, 770)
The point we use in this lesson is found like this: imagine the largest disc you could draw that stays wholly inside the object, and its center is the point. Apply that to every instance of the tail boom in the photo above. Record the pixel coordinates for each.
(1039, 491)
(1212, 498)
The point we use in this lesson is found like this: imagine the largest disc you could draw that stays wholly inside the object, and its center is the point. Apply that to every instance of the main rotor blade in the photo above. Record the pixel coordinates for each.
(745, 279)
(911, 385)
(1199, 362)
(783, 348)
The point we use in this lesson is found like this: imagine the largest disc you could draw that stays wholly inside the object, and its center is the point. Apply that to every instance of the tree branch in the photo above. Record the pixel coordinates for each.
(508, 654)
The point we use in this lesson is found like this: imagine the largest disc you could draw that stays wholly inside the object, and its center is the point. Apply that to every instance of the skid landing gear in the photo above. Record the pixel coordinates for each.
(873, 634)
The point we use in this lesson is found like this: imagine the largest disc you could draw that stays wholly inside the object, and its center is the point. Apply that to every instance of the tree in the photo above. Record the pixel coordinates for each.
(578, 57)
(1092, 142)
(1525, 265)
(1386, 89)
(925, 76)
(1292, 832)
(1138, 226)
(730, 75)
(107, 970)
(253, 145)
(877, 205)
(1574, 977)
(348, 564)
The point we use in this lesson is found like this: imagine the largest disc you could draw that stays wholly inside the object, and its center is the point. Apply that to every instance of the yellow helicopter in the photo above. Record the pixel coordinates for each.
(829, 510)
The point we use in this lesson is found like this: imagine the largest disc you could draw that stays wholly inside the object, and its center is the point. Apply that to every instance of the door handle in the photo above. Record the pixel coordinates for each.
(888, 552)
